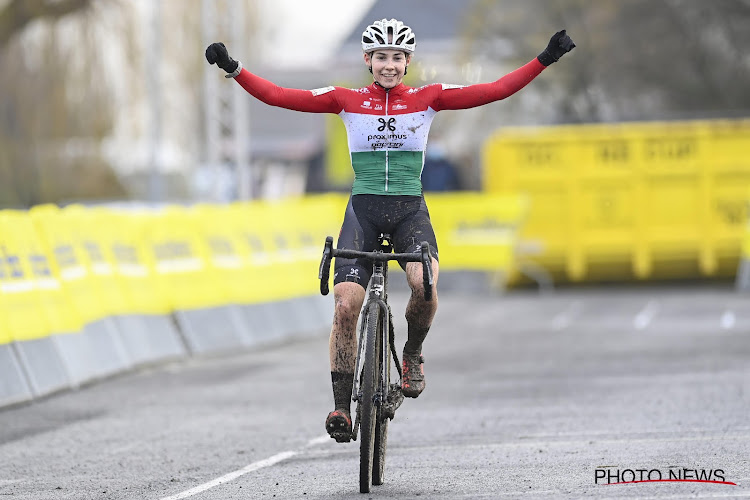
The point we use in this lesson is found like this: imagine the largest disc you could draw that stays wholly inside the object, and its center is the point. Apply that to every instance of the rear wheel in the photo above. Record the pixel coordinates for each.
(368, 413)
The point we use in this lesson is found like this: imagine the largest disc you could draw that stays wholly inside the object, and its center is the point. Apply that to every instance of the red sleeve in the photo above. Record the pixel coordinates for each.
(319, 101)
(483, 93)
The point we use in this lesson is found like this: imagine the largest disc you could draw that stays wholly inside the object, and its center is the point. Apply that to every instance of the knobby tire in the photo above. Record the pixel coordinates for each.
(381, 426)
(381, 443)
(368, 416)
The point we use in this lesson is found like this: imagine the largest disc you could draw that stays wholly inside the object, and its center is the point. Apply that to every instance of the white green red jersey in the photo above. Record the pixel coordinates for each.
(387, 128)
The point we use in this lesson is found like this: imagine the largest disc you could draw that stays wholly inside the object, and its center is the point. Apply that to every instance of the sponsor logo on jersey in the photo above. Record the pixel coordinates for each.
(387, 123)
(322, 90)
(389, 145)
(366, 105)
(449, 86)
(378, 107)
(415, 90)
(396, 107)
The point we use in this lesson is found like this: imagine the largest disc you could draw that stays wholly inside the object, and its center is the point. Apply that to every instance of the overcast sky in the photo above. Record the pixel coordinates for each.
(305, 33)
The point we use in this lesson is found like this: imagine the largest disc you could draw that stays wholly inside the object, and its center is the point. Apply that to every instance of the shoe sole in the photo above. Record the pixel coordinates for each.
(412, 393)
(339, 430)
(341, 436)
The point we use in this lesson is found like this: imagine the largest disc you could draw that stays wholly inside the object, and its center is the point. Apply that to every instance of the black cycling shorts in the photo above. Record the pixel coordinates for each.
(405, 218)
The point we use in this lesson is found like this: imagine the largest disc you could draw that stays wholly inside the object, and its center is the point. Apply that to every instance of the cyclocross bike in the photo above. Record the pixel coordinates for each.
(376, 396)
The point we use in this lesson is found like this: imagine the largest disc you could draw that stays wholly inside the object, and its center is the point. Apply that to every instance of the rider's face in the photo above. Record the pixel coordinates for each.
(388, 66)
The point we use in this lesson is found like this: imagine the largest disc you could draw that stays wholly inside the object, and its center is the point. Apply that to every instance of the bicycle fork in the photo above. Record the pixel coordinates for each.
(382, 396)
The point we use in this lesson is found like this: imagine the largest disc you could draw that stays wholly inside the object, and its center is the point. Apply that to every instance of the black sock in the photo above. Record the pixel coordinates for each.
(342, 390)
(414, 341)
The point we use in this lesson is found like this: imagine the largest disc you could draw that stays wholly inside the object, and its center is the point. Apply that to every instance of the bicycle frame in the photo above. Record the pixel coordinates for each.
(378, 297)
(377, 399)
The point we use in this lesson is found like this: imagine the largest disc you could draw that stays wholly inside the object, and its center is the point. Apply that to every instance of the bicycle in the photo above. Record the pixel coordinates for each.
(376, 397)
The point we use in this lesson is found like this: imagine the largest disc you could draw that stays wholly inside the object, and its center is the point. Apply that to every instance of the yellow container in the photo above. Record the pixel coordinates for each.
(641, 200)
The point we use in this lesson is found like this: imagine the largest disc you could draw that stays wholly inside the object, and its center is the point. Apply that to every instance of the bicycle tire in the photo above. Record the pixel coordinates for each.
(381, 426)
(368, 415)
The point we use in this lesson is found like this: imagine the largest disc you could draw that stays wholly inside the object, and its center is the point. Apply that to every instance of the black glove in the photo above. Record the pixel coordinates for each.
(559, 44)
(217, 53)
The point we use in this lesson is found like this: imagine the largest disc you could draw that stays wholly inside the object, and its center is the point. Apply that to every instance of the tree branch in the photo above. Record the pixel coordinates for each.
(18, 13)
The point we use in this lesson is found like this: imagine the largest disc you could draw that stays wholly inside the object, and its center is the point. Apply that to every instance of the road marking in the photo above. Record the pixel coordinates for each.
(728, 320)
(260, 464)
(565, 318)
(644, 317)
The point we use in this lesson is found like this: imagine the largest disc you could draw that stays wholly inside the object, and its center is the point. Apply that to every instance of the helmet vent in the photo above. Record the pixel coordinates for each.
(388, 34)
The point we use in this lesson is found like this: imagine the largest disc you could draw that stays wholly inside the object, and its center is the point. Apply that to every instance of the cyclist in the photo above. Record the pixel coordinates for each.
(387, 124)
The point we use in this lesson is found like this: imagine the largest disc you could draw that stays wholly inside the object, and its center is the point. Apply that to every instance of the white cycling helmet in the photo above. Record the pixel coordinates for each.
(388, 34)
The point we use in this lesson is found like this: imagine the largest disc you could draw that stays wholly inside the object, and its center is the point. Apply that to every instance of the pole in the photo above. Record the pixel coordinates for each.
(153, 72)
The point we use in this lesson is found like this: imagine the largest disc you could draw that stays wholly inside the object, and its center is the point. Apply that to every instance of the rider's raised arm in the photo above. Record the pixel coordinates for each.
(312, 101)
(457, 97)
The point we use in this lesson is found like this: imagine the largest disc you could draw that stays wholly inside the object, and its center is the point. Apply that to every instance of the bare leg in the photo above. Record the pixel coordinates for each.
(419, 313)
(342, 344)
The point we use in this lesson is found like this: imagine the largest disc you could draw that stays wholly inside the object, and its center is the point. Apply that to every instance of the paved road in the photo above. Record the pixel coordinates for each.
(527, 397)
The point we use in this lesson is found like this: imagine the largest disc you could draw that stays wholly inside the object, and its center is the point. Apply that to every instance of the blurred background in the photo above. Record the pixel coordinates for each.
(112, 100)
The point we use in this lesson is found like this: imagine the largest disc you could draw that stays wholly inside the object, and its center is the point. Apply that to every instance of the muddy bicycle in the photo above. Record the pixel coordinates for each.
(377, 397)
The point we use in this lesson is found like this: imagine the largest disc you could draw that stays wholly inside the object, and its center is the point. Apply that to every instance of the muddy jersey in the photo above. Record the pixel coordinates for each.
(387, 128)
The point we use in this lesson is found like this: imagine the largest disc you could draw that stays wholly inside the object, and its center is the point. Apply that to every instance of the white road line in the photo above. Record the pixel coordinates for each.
(260, 464)
(325, 438)
(728, 320)
(565, 318)
(644, 317)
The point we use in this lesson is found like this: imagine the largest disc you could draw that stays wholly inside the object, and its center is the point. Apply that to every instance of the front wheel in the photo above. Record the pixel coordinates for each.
(381, 427)
(368, 410)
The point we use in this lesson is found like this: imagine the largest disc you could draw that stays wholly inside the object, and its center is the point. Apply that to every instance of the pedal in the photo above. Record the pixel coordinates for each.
(395, 398)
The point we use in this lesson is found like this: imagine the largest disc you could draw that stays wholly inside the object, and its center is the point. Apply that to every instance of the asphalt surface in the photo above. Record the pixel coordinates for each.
(527, 396)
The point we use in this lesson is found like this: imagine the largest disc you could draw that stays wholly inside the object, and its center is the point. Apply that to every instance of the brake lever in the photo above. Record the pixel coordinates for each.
(427, 271)
(325, 265)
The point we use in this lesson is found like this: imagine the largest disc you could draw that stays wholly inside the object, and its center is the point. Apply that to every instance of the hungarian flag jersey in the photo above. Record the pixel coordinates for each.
(387, 128)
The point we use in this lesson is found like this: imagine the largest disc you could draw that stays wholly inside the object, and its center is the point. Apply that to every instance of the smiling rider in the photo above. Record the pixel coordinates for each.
(387, 124)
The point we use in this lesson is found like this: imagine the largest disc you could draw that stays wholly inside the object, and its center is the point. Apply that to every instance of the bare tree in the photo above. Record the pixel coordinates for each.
(57, 106)
(636, 59)
(17, 14)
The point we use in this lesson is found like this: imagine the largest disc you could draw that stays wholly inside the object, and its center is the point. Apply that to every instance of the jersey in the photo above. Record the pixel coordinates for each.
(387, 128)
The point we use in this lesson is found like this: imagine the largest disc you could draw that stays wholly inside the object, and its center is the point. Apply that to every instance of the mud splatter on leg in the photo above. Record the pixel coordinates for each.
(342, 343)
(419, 313)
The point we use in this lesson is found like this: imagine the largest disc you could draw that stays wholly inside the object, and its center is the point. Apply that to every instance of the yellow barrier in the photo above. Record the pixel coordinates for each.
(229, 264)
(742, 281)
(283, 242)
(646, 200)
(88, 227)
(36, 304)
(78, 265)
(181, 261)
(476, 231)
(56, 232)
(122, 236)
